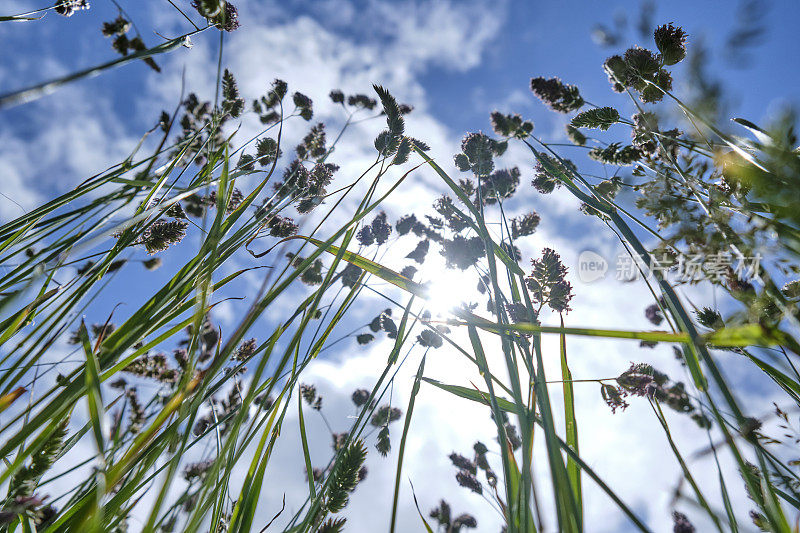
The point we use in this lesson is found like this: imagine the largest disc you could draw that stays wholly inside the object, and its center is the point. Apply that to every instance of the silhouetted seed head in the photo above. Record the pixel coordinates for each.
(500, 185)
(350, 275)
(681, 523)
(102, 330)
(478, 152)
(384, 444)
(361, 100)
(195, 471)
(600, 117)
(282, 227)
(671, 42)
(749, 427)
(233, 202)
(637, 379)
(617, 71)
(429, 338)
(420, 251)
(152, 264)
(220, 13)
(480, 457)
(445, 207)
(645, 126)
(312, 275)
(232, 103)
(616, 154)
(547, 282)
(557, 95)
(462, 463)
(194, 205)
(408, 271)
(365, 338)
(524, 225)
(385, 415)
(333, 525)
(175, 211)
(380, 228)
(339, 439)
(480, 448)
(116, 265)
(162, 234)
(153, 367)
(264, 400)
(304, 105)
(655, 93)
(517, 312)
(703, 422)
(375, 324)
(118, 26)
(675, 397)
(544, 180)
(308, 392)
(468, 480)
(462, 252)
(613, 397)
(442, 514)
(653, 314)
(365, 236)
(641, 62)
(513, 437)
(736, 284)
(464, 520)
(575, 135)
(68, 8)
(121, 44)
(404, 225)
(388, 325)
(313, 145)
(245, 350)
(360, 397)
(337, 96)
(511, 125)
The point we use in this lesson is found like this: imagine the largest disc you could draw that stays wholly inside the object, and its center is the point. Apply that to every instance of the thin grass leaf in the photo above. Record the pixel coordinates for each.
(34, 92)
(571, 423)
(401, 452)
(416, 504)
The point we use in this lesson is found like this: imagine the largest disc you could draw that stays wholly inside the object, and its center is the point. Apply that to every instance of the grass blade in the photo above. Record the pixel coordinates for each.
(573, 470)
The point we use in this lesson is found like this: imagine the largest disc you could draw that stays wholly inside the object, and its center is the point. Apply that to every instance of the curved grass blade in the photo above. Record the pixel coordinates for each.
(29, 94)
(401, 452)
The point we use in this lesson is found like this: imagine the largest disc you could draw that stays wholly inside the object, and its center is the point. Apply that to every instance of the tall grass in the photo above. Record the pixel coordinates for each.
(188, 184)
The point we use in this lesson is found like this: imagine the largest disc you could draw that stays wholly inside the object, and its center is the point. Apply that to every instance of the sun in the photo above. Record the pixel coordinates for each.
(449, 289)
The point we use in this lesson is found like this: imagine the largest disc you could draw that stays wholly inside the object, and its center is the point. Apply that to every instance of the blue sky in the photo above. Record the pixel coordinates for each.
(456, 62)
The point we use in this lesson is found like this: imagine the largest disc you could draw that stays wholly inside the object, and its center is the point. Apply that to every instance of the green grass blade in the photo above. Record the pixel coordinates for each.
(401, 451)
(573, 470)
